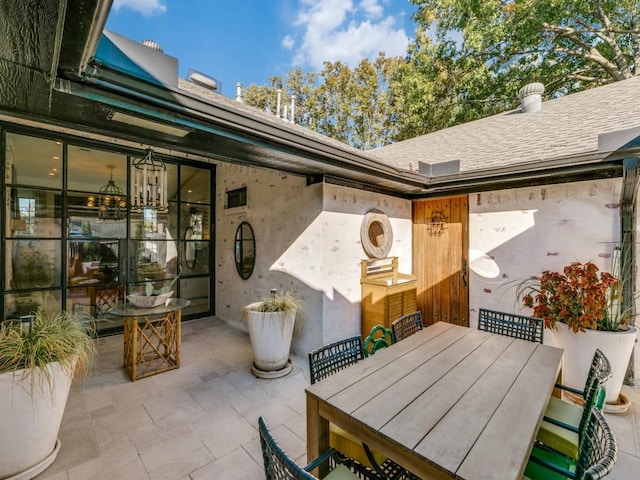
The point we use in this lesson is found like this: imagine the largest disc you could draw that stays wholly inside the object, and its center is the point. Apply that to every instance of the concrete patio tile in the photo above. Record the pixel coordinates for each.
(169, 451)
(106, 468)
(181, 467)
(236, 465)
(217, 392)
(164, 411)
(152, 435)
(126, 421)
(275, 412)
(626, 468)
(224, 434)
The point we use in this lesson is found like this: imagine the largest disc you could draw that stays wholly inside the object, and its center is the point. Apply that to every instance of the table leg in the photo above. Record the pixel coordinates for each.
(317, 434)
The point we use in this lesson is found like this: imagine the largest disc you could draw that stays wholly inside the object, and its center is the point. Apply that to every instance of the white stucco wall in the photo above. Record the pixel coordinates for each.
(308, 240)
(516, 234)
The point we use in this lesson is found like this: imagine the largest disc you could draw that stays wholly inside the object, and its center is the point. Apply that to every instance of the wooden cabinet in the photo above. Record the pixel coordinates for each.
(386, 294)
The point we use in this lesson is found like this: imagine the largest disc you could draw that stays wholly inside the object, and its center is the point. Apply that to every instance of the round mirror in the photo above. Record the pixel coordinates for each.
(245, 250)
(189, 248)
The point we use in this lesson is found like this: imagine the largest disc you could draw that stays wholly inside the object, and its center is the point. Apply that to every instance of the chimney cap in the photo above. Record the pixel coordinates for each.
(152, 44)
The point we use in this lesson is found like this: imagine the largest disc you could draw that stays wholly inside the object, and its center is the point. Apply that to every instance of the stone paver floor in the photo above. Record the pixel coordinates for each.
(200, 421)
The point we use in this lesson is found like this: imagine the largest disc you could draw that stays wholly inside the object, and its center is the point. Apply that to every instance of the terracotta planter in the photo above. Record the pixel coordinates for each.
(271, 334)
(578, 353)
(30, 421)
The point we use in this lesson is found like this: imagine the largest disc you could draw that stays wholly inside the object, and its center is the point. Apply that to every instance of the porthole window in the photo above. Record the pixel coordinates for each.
(376, 234)
(245, 250)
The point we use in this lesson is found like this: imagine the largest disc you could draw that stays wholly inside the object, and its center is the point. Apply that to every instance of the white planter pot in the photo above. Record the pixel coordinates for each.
(578, 353)
(270, 334)
(30, 422)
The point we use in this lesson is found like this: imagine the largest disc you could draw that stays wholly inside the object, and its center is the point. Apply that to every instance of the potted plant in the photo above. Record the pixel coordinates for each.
(271, 323)
(38, 361)
(583, 310)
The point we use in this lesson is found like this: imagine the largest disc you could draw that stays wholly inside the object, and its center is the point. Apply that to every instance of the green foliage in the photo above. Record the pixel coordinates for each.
(484, 51)
(50, 337)
(278, 302)
(31, 268)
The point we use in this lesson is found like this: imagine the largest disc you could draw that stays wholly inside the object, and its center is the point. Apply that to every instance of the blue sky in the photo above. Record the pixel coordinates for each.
(249, 41)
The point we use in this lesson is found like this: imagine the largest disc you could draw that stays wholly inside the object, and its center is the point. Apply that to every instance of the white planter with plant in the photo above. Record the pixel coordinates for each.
(582, 310)
(38, 362)
(271, 323)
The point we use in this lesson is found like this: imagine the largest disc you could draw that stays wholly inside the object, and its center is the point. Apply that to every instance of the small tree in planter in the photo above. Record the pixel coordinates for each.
(271, 324)
(38, 361)
(583, 310)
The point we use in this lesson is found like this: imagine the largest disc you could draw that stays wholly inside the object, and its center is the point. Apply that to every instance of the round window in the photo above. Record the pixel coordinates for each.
(376, 234)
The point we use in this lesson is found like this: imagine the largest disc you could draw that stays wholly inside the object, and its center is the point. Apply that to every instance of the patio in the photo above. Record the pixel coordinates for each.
(200, 421)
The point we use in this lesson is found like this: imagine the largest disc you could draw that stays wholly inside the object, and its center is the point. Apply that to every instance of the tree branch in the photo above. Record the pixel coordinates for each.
(618, 56)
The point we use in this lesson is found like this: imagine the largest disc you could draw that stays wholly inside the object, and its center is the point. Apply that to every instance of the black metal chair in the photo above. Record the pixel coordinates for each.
(406, 325)
(329, 359)
(564, 423)
(279, 466)
(511, 325)
(598, 455)
(324, 362)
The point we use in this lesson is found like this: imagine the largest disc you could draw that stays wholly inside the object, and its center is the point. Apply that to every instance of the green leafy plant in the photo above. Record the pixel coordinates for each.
(48, 337)
(581, 297)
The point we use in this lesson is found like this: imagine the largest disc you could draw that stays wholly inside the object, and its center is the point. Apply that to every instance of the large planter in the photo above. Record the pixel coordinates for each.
(271, 334)
(578, 353)
(30, 421)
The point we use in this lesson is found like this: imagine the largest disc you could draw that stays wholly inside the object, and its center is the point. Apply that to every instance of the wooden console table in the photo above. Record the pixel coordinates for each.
(151, 337)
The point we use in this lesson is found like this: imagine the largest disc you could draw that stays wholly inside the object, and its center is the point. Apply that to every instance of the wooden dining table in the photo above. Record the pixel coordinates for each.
(447, 402)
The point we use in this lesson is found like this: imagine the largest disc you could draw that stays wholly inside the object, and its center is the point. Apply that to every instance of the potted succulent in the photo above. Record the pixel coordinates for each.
(583, 310)
(271, 324)
(38, 361)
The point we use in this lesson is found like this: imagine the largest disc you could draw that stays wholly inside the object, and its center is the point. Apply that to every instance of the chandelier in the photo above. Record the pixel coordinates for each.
(112, 200)
(149, 179)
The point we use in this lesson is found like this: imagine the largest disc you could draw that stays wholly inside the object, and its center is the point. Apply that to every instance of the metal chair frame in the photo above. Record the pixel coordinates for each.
(329, 359)
(375, 342)
(406, 325)
(511, 325)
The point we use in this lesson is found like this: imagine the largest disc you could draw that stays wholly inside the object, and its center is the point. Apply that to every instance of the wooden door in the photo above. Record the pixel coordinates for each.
(440, 259)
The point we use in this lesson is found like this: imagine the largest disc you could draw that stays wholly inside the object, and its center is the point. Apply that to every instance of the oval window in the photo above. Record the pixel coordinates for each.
(245, 250)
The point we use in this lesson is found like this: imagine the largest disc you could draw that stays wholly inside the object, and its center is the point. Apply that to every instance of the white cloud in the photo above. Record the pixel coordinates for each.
(288, 42)
(145, 7)
(346, 31)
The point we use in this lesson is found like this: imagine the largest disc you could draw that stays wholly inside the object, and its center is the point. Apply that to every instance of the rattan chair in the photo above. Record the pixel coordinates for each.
(406, 325)
(329, 359)
(598, 454)
(564, 422)
(511, 325)
(379, 337)
(279, 466)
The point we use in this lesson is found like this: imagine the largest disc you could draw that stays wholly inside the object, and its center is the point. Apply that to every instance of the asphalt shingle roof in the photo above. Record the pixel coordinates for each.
(564, 127)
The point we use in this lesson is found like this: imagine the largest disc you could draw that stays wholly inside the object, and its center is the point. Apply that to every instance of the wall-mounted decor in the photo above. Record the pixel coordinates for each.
(245, 250)
(189, 248)
(437, 224)
(376, 234)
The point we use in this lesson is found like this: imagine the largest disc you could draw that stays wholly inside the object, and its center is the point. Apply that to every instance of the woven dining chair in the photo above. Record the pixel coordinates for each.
(406, 325)
(511, 325)
(378, 338)
(329, 359)
(324, 362)
(279, 466)
(564, 422)
(598, 455)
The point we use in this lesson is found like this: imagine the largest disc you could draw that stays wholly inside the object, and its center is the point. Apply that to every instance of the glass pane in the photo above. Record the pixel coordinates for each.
(195, 185)
(33, 213)
(90, 169)
(94, 261)
(195, 257)
(150, 222)
(153, 259)
(84, 221)
(19, 304)
(33, 161)
(197, 218)
(197, 291)
(33, 264)
(172, 182)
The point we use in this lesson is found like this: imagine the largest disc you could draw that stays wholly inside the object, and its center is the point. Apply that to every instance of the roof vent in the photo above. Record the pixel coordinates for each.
(203, 80)
(239, 92)
(152, 44)
(531, 97)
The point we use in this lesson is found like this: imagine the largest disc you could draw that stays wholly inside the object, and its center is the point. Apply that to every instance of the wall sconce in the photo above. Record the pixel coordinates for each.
(149, 177)
(438, 223)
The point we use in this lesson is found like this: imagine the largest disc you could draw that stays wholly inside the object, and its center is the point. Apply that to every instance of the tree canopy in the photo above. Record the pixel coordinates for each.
(468, 59)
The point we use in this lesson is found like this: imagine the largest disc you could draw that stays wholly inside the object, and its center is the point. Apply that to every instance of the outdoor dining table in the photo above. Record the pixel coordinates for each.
(447, 402)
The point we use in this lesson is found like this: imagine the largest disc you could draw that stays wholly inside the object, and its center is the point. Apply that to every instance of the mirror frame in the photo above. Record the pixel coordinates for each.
(238, 250)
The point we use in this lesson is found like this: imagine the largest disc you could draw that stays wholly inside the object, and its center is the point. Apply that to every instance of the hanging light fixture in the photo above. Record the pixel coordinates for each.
(112, 200)
(149, 178)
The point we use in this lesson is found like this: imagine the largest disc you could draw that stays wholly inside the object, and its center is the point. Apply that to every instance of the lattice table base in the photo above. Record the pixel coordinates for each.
(151, 344)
